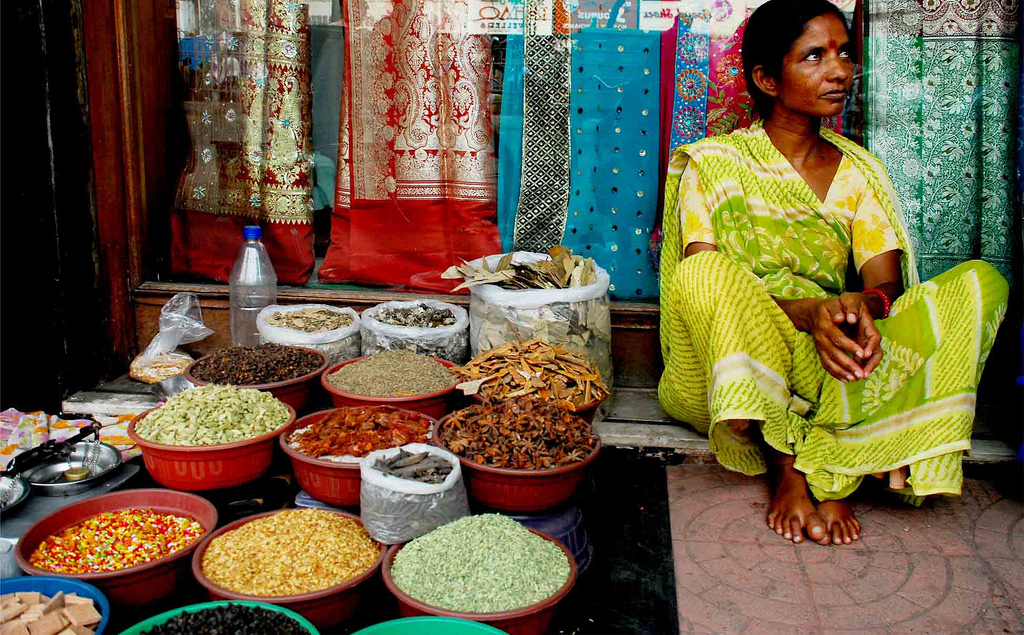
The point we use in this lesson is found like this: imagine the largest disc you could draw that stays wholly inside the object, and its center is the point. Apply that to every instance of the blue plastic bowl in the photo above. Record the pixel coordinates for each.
(50, 586)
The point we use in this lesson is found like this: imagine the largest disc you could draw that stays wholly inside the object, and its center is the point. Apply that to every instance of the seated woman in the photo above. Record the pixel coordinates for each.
(765, 351)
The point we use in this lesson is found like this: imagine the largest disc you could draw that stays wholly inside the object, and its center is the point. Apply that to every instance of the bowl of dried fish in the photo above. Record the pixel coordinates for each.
(325, 447)
(289, 373)
(393, 378)
(537, 369)
(525, 454)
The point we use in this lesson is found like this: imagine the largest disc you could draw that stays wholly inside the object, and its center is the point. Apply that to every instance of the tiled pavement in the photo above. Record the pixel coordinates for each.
(955, 565)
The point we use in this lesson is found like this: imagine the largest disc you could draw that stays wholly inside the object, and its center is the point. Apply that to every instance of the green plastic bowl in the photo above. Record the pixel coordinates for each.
(142, 627)
(432, 625)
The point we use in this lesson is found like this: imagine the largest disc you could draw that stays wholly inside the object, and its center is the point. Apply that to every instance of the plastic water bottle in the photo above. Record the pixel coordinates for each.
(253, 287)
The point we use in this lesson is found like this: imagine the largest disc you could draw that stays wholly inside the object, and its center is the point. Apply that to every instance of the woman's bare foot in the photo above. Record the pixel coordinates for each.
(842, 525)
(791, 512)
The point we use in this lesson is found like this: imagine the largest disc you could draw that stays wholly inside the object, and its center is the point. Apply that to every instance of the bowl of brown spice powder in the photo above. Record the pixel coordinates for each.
(397, 378)
(289, 373)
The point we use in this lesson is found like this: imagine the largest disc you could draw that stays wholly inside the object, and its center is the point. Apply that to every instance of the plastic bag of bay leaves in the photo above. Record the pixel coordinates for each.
(578, 318)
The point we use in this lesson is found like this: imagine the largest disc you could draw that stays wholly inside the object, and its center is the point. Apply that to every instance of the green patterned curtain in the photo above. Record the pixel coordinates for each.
(942, 80)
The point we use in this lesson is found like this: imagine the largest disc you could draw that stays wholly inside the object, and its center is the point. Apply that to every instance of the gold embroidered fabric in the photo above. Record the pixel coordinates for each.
(250, 116)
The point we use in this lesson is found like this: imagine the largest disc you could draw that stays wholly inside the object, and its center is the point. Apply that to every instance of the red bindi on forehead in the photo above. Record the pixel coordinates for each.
(832, 45)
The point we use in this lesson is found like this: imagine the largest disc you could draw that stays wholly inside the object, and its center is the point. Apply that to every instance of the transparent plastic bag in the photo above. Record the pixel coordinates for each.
(396, 510)
(447, 342)
(338, 345)
(578, 318)
(181, 322)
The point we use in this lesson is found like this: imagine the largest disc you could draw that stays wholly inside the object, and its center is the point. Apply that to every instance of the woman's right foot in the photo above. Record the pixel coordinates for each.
(792, 514)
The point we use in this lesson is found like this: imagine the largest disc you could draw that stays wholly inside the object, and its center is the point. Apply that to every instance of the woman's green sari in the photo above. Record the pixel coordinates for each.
(731, 353)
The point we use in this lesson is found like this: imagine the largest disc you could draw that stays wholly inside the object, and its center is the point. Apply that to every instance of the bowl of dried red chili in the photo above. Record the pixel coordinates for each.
(325, 447)
(137, 543)
(525, 454)
(390, 377)
(290, 373)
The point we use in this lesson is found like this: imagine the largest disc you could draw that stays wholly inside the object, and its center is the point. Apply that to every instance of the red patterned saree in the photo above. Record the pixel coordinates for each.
(416, 184)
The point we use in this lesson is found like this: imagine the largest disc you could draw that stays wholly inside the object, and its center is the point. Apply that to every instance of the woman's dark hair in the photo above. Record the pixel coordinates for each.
(771, 31)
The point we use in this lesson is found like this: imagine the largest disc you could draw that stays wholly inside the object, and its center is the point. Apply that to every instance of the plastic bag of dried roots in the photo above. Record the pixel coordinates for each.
(181, 322)
(395, 506)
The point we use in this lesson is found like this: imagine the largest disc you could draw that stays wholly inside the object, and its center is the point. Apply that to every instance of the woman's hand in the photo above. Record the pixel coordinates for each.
(845, 335)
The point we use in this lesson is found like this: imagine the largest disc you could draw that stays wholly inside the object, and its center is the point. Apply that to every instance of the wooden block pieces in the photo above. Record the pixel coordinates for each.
(56, 602)
(47, 625)
(82, 615)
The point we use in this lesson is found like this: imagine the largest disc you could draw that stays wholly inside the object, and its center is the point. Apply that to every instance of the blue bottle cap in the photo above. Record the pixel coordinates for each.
(251, 232)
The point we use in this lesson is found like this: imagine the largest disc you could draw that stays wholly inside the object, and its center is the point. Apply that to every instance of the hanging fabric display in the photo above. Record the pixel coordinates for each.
(729, 105)
(690, 97)
(510, 141)
(613, 182)
(416, 183)
(249, 120)
(1020, 115)
(544, 185)
(941, 83)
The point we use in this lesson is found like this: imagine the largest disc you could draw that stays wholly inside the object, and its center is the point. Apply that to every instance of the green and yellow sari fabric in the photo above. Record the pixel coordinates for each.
(731, 353)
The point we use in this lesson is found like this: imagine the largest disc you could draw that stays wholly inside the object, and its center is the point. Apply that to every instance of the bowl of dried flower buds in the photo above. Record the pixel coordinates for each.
(325, 447)
(398, 378)
(524, 454)
(290, 373)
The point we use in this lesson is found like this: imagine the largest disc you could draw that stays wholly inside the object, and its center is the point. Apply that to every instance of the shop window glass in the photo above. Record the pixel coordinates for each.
(382, 141)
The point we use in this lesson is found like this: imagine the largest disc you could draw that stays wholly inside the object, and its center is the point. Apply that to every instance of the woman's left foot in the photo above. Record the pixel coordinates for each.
(843, 526)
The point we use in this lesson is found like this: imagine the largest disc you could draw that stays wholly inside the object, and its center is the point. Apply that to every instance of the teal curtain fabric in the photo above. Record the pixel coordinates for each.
(510, 140)
(942, 88)
(613, 179)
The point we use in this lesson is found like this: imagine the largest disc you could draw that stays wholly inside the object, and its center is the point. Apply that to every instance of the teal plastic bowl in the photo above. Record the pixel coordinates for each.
(430, 626)
(142, 627)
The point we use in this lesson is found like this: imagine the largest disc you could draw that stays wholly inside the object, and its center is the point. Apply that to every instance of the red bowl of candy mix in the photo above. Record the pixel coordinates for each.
(168, 524)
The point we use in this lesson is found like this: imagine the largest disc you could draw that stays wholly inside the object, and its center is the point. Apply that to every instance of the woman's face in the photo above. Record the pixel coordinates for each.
(818, 70)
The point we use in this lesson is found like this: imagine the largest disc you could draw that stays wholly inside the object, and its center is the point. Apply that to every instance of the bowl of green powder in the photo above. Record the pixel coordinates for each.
(399, 378)
(487, 568)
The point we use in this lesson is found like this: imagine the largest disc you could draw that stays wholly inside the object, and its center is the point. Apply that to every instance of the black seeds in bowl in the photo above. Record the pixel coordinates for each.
(232, 619)
(253, 365)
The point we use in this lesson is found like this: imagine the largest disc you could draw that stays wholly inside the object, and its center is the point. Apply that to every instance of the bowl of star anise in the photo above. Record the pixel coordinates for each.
(524, 454)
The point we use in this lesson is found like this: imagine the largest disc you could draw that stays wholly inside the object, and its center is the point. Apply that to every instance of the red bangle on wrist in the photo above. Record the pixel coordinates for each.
(885, 300)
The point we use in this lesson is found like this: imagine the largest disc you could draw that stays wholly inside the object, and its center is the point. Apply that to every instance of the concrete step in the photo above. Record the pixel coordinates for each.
(636, 420)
